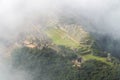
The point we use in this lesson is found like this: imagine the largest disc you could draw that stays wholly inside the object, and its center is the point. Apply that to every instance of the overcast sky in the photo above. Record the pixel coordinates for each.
(104, 14)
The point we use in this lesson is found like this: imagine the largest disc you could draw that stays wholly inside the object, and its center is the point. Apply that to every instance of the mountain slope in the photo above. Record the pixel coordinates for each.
(64, 56)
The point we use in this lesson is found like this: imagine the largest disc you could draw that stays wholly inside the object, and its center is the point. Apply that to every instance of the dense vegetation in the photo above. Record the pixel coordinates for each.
(107, 43)
(47, 64)
(56, 60)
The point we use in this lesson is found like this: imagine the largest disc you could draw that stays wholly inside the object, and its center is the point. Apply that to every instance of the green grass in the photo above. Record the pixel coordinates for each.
(90, 56)
(59, 37)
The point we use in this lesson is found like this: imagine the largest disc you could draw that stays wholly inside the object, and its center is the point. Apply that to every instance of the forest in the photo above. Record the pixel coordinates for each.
(47, 64)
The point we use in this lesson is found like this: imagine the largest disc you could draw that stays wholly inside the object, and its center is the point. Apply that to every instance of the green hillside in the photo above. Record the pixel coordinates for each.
(92, 57)
(58, 37)
(67, 60)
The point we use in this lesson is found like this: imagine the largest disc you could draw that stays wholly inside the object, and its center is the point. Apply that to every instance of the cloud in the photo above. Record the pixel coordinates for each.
(14, 14)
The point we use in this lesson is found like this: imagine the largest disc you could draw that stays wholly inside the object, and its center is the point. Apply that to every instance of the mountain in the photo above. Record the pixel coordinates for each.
(61, 50)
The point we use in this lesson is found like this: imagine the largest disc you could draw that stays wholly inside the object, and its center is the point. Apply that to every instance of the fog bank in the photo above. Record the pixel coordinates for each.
(99, 16)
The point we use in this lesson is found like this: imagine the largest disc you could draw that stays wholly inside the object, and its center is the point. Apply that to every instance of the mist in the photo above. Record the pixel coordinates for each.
(97, 16)
(103, 14)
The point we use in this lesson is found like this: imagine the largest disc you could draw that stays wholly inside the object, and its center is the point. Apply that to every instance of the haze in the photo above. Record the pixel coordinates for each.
(14, 14)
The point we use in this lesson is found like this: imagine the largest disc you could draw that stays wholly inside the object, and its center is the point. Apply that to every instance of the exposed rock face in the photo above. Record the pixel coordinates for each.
(77, 62)
(76, 32)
